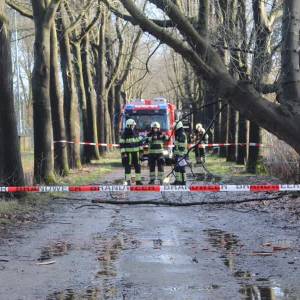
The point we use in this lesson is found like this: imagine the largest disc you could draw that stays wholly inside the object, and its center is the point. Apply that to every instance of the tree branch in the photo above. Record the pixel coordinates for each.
(275, 13)
(79, 18)
(165, 37)
(132, 53)
(161, 23)
(51, 11)
(90, 26)
(114, 74)
(21, 10)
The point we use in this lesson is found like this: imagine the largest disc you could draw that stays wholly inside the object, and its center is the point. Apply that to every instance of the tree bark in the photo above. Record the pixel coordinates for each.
(261, 68)
(101, 82)
(43, 134)
(57, 110)
(72, 120)
(242, 139)
(92, 133)
(86, 155)
(243, 75)
(118, 109)
(11, 171)
(231, 150)
(290, 52)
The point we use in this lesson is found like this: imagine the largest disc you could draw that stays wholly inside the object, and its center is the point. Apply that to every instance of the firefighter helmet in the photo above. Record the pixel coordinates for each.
(130, 122)
(199, 126)
(178, 125)
(155, 125)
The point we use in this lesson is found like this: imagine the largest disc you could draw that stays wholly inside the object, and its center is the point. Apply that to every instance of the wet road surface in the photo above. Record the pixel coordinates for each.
(148, 252)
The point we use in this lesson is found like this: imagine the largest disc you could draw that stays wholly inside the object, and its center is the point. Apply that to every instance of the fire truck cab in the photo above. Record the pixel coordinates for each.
(146, 111)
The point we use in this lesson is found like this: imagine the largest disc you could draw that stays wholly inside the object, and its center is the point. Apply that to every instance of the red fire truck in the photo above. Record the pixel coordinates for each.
(146, 111)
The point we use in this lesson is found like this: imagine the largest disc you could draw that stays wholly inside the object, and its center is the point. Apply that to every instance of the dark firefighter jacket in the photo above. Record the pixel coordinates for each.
(130, 141)
(180, 143)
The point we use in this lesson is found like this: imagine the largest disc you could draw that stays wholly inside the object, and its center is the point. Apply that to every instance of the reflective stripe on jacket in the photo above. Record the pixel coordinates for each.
(130, 141)
(156, 143)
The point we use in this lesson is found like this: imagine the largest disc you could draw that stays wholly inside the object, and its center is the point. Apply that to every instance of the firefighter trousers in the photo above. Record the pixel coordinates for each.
(130, 159)
(199, 153)
(180, 175)
(159, 161)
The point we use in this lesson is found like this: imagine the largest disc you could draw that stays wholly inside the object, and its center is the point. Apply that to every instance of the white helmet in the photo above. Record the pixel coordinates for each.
(155, 125)
(199, 126)
(130, 122)
(178, 125)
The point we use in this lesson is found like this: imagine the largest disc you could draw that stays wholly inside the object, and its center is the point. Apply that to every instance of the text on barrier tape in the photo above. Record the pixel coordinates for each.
(152, 188)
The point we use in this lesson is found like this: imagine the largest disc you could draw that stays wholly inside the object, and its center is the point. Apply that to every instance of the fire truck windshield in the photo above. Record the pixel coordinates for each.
(144, 120)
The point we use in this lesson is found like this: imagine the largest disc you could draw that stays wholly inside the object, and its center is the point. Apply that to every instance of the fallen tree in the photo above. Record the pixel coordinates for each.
(282, 119)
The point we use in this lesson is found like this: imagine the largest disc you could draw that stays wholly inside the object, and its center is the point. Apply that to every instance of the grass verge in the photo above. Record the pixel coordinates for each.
(25, 209)
(219, 166)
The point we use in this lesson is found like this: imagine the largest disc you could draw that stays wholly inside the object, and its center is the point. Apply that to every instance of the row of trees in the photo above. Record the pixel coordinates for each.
(93, 53)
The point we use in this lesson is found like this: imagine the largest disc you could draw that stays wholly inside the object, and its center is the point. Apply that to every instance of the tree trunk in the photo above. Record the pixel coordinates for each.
(242, 139)
(101, 83)
(223, 132)
(11, 171)
(216, 135)
(261, 68)
(43, 134)
(243, 75)
(290, 61)
(57, 110)
(70, 98)
(87, 150)
(231, 152)
(93, 151)
(112, 103)
(254, 135)
(118, 108)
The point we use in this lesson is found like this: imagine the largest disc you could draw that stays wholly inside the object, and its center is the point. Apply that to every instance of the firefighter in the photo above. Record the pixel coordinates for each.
(131, 152)
(156, 140)
(180, 152)
(197, 136)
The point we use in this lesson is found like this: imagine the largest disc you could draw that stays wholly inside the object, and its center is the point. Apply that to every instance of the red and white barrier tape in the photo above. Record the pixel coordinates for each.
(88, 143)
(191, 145)
(153, 188)
(232, 144)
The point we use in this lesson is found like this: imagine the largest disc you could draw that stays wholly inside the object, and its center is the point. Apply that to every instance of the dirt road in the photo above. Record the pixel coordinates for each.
(111, 252)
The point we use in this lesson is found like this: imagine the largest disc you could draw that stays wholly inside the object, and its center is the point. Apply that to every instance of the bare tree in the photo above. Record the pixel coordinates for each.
(43, 15)
(57, 110)
(11, 172)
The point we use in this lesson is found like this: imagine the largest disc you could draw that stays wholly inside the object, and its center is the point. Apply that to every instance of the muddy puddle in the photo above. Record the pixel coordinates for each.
(252, 287)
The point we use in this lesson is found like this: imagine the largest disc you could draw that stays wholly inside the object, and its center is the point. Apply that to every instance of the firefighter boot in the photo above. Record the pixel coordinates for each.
(183, 180)
(152, 178)
(177, 179)
(138, 179)
(127, 179)
(161, 177)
